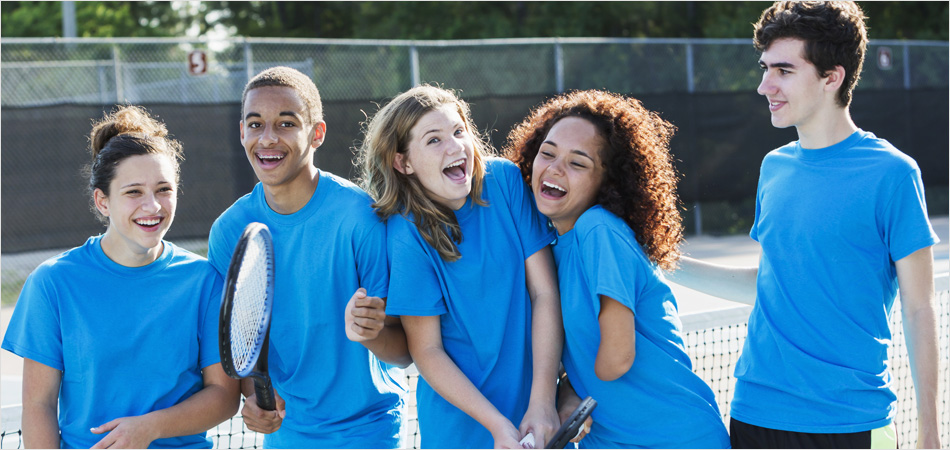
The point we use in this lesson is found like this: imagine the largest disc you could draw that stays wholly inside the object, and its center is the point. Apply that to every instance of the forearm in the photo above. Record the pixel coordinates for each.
(391, 346)
(736, 284)
(920, 331)
(448, 380)
(40, 426)
(547, 342)
(202, 411)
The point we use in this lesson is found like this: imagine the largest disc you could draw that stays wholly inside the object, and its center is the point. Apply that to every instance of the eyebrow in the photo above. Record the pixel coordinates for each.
(780, 65)
(574, 151)
(436, 130)
(282, 113)
(141, 184)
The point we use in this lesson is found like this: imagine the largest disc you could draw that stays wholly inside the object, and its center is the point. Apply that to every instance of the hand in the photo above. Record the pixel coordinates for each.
(568, 404)
(542, 421)
(263, 421)
(126, 432)
(365, 317)
(507, 436)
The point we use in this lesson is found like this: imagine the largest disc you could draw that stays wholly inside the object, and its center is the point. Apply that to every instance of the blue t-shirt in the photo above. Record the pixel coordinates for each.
(129, 340)
(337, 393)
(659, 402)
(482, 299)
(831, 223)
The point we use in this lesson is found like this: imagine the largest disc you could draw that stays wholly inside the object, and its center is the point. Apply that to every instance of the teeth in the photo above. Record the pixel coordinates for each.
(271, 157)
(147, 222)
(554, 186)
(455, 164)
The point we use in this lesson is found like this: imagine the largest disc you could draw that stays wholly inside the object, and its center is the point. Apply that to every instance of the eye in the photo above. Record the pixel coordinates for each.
(578, 164)
(784, 72)
(166, 189)
(434, 140)
(287, 124)
(460, 131)
(133, 192)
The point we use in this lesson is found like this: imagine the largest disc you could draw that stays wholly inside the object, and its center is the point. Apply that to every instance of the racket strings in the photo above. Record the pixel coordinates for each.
(247, 315)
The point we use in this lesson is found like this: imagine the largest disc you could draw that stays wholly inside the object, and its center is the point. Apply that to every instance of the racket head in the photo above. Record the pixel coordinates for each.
(247, 300)
(573, 424)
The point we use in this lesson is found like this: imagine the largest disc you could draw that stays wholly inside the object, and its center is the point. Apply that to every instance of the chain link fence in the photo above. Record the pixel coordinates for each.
(39, 72)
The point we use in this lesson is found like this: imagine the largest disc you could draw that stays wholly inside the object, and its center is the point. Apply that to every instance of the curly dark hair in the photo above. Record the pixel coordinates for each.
(639, 183)
(834, 35)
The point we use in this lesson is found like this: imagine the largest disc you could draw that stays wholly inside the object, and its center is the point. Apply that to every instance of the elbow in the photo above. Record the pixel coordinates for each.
(609, 369)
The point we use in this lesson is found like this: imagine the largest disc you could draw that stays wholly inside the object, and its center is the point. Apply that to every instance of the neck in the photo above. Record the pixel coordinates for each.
(825, 130)
(120, 253)
(288, 198)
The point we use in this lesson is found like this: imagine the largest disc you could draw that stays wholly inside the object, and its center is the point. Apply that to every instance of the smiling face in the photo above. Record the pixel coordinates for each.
(797, 95)
(277, 137)
(140, 206)
(568, 171)
(440, 155)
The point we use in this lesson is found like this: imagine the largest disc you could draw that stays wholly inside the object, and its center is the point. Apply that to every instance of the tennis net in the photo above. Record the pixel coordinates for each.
(713, 339)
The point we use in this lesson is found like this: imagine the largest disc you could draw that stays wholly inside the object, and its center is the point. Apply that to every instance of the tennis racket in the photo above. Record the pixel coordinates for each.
(572, 425)
(244, 323)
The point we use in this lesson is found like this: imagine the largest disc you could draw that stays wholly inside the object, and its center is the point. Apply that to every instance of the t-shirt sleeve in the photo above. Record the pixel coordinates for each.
(532, 226)
(602, 250)
(209, 353)
(371, 263)
(220, 248)
(34, 331)
(414, 288)
(906, 224)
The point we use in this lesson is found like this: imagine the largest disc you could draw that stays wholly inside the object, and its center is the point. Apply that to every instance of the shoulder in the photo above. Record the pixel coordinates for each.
(602, 227)
(236, 214)
(885, 153)
(190, 264)
(501, 168)
(340, 186)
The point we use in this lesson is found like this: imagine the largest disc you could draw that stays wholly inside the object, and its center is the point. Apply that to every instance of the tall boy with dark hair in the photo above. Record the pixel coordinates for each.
(842, 221)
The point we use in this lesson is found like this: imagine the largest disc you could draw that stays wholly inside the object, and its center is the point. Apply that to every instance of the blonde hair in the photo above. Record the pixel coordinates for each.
(387, 134)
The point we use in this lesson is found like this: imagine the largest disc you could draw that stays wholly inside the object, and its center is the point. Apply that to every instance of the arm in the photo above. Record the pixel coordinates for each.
(918, 308)
(40, 398)
(617, 340)
(425, 342)
(547, 342)
(731, 283)
(368, 324)
(568, 401)
(213, 404)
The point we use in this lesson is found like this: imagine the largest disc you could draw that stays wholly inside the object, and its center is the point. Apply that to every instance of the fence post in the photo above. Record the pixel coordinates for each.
(558, 66)
(119, 90)
(906, 67)
(248, 59)
(414, 65)
(691, 89)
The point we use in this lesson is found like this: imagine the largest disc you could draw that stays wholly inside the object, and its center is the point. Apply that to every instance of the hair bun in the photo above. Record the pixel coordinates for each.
(124, 120)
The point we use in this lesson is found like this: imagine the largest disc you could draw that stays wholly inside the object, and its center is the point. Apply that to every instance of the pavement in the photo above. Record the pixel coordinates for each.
(735, 250)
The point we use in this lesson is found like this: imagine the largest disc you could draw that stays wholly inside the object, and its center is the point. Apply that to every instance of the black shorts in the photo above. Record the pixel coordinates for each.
(743, 435)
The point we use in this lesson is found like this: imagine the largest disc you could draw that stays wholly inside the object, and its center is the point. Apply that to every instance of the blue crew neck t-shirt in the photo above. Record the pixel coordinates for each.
(129, 340)
(659, 402)
(482, 301)
(337, 393)
(831, 223)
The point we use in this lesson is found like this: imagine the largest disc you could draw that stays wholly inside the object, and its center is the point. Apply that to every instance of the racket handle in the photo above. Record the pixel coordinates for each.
(265, 393)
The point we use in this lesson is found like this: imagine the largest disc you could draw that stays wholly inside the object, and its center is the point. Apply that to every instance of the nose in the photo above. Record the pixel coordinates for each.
(150, 203)
(268, 136)
(766, 87)
(455, 146)
(557, 166)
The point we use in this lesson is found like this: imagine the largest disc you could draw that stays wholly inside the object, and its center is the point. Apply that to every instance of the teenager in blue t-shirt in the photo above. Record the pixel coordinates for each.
(599, 167)
(121, 333)
(471, 274)
(331, 344)
(842, 221)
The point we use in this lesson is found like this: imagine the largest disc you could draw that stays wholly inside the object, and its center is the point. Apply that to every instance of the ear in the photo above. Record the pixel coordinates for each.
(319, 134)
(402, 164)
(241, 127)
(834, 79)
(101, 201)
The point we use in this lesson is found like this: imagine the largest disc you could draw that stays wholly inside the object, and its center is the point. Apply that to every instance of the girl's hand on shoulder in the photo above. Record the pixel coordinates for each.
(542, 421)
(126, 432)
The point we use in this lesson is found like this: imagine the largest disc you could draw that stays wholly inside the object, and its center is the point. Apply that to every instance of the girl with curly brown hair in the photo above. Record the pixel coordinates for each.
(599, 167)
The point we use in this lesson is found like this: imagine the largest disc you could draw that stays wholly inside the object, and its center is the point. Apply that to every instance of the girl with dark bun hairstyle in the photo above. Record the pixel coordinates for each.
(600, 169)
(121, 333)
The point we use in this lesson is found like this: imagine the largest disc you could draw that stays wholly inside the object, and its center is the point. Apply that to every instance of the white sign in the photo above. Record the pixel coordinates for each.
(197, 62)
(884, 61)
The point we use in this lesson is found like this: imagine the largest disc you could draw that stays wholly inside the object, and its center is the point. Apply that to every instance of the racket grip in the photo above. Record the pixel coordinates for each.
(265, 393)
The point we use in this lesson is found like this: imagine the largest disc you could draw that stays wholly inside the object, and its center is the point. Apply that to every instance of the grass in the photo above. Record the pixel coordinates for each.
(10, 288)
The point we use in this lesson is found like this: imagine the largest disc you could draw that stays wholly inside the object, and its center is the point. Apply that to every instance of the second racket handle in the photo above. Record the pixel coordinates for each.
(265, 393)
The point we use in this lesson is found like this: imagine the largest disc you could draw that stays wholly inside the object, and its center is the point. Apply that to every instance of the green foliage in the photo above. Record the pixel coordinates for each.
(442, 19)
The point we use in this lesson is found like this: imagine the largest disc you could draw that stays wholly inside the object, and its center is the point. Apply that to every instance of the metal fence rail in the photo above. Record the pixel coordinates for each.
(49, 71)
